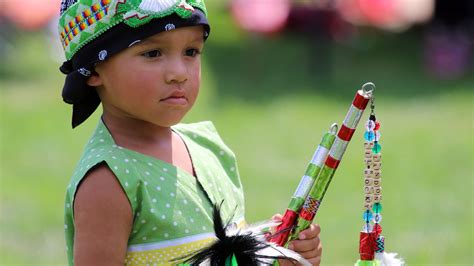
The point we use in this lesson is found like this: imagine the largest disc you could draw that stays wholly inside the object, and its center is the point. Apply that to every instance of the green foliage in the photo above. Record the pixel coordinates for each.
(273, 122)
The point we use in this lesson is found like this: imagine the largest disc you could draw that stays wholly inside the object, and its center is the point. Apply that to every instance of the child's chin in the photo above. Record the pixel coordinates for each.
(169, 122)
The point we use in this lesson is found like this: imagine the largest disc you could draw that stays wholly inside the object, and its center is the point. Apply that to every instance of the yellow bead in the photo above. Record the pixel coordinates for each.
(369, 190)
(378, 191)
(368, 172)
(376, 165)
(368, 181)
(368, 154)
(377, 174)
(377, 198)
(368, 198)
(377, 182)
(368, 145)
(377, 157)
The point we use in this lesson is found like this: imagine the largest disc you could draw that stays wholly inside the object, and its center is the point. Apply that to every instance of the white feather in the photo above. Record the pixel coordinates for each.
(254, 229)
(389, 259)
(205, 263)
(274, 250)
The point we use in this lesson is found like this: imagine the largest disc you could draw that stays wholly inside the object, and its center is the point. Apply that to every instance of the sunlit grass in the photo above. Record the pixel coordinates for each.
(427, 178)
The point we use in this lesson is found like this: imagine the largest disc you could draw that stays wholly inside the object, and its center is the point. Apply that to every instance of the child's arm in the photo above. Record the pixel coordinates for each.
(103, 220)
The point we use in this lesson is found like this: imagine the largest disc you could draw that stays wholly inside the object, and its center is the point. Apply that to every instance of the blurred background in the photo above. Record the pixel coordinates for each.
(276, 74)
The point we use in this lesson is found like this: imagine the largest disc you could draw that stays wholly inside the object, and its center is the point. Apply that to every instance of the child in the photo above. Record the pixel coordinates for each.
(144, 188)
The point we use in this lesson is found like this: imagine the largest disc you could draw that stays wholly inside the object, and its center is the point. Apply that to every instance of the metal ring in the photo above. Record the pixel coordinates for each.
(333, 129)
(368, 87)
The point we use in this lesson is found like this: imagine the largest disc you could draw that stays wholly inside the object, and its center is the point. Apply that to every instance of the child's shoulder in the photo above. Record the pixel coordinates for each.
(100, 148)
(199, 132)
(198, 128)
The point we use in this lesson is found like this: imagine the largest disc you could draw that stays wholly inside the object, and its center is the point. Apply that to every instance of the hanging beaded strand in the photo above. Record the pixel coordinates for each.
(371, 240)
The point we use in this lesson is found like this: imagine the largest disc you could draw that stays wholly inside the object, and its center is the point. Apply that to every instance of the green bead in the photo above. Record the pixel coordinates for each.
(367, 263)
(377, 208)
(377, 147)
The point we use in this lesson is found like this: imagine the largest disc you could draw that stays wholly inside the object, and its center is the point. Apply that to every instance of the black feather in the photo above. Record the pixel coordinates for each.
(219, 228)
(243, 246)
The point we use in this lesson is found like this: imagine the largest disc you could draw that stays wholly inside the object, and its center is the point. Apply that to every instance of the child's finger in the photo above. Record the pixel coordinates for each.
(300, 246)
(312, 232)
(315, 261)
(277, 217)
(316, 252)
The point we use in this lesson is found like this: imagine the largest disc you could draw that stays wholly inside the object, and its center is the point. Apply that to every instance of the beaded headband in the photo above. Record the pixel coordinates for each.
(93, 30)
(84, 20)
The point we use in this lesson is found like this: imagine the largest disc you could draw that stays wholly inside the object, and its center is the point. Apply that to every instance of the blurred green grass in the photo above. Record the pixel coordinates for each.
(273, 127)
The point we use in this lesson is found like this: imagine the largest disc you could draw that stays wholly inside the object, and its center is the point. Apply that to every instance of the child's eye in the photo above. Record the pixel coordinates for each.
(192, 52)
(151, 54)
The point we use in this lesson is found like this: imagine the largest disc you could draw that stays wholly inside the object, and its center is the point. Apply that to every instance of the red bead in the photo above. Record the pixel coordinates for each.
(377, 126)
(377, 229)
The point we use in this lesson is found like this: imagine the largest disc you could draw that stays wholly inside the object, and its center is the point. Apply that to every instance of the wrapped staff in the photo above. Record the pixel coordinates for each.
(320, 186)
(344, 136)
(257, 246)
(306, 183)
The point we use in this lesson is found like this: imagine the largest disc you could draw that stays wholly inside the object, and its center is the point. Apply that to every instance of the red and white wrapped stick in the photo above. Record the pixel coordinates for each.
(316, 194)
(349, 126)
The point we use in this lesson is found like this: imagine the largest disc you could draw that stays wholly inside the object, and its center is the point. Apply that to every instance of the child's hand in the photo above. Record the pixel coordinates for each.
(308, 244)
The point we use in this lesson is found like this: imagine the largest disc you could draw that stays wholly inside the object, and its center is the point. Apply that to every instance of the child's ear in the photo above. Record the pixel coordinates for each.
(94, 80)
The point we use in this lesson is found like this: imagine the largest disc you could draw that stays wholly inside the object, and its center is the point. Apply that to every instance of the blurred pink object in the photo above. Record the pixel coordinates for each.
(262, 16)
(379, 12)
(395, 15)
(29, 14)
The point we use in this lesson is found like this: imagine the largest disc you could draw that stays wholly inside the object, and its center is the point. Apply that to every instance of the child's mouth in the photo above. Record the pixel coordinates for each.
(173, 100)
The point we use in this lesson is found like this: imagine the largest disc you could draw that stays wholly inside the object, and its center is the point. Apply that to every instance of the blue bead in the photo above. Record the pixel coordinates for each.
(369, 136)
(367, 216)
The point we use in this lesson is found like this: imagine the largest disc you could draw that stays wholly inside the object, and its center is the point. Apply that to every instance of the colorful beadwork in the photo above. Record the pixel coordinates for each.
(367, 216)
(372, 188)
(380, 244)
(371, 242)
(85, 20)
(377, 207)
(87, 17)
(369, 136)
(332, 157)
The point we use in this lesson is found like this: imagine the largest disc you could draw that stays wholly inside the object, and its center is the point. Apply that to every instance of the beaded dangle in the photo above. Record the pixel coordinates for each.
(371, 243)
(371, 240)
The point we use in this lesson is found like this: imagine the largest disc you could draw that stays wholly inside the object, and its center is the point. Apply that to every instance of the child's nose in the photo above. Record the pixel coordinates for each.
(176, 71)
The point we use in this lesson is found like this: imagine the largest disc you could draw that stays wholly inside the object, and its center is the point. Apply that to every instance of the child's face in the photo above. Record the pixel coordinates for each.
(156, 80)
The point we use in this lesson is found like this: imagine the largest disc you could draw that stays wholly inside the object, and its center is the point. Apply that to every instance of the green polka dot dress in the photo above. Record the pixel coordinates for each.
(172, 209)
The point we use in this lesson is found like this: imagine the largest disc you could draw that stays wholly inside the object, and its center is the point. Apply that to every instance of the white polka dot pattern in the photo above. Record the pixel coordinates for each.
(167, 202)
